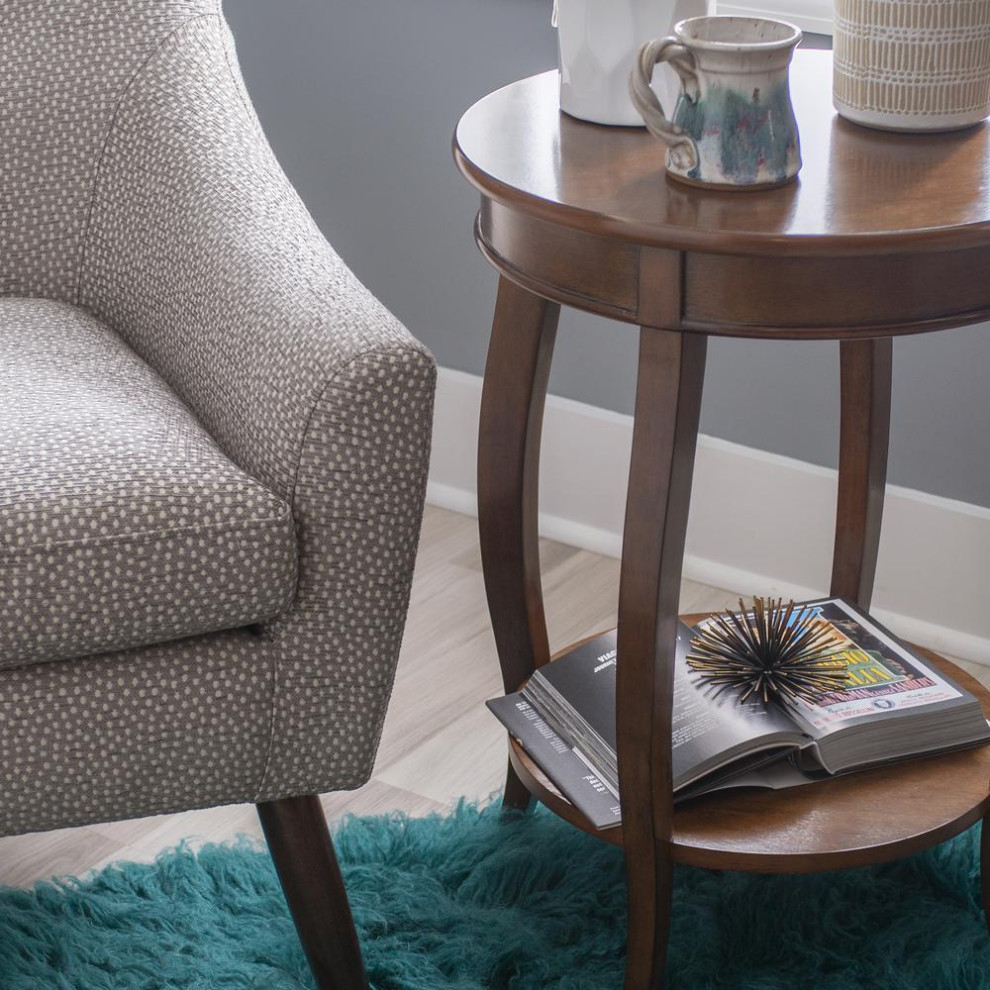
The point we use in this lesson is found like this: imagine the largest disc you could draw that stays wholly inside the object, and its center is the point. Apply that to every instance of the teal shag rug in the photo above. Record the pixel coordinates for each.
(465, 902)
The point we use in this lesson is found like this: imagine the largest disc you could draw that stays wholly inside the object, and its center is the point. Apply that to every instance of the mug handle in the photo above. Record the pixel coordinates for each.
(682, 149)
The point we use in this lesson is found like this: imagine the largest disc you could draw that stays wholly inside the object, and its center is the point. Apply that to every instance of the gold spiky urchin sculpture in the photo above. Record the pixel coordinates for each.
(774, 652)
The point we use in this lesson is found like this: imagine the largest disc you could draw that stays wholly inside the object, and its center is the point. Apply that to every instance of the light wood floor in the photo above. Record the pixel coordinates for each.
(439, 743)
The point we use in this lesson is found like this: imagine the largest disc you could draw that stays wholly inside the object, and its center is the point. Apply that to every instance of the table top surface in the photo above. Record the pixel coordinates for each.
(859, 191)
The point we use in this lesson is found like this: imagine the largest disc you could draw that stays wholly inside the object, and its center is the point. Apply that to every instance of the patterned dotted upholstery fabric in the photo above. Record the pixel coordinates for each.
(199, 254)
(158, 729)
(121, 522)
(62, 69)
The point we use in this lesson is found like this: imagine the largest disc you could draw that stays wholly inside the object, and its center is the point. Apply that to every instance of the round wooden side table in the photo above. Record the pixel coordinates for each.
(881, 235)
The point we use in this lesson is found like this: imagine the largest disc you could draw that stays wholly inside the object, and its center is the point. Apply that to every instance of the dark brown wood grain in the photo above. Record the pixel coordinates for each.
(511, 426)
(888, 294)
(301, 848)
(510, 431)
(860, 191)
(665, 432)
(866, 370)
(888, 234)
(585, 270)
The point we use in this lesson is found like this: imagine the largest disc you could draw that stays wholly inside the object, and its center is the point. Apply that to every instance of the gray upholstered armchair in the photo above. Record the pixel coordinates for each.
(213, 453)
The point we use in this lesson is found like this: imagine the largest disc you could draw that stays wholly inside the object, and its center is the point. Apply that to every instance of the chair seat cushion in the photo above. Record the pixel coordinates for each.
(121, 522)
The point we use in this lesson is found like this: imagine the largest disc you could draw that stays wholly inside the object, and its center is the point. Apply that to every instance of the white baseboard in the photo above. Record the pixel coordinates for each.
(760, 523)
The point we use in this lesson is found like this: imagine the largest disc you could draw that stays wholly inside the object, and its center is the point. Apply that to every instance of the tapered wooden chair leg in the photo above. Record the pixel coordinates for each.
(302, 850)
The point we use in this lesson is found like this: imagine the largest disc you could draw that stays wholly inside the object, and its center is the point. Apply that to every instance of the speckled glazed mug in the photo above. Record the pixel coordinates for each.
(733, 126)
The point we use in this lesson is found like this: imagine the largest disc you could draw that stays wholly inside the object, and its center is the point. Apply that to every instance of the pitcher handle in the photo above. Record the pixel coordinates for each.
(682, 149)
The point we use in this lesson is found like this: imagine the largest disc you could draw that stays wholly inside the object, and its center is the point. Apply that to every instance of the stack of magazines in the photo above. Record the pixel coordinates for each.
(894, 706)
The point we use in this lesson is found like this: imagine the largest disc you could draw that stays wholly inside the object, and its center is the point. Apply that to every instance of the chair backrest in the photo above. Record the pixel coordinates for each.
(64, 67)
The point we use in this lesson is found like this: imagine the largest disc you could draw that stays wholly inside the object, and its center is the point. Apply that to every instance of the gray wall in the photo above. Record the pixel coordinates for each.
(359, 99)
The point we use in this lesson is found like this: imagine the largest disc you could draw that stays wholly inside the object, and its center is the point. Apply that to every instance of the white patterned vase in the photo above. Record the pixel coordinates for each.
(598, 41)
(912, 65)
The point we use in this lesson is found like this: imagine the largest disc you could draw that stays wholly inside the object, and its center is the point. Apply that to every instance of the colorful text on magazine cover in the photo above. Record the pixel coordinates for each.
(881, 676)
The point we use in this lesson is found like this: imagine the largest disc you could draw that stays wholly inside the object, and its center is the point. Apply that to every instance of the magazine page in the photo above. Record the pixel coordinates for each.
(584, 679)
(707, 724)
(559, 761)
(884, 678)
(711, 728)
(777, 774)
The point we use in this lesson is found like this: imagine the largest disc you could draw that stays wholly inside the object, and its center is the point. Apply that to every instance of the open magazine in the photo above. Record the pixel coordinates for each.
(895, 706)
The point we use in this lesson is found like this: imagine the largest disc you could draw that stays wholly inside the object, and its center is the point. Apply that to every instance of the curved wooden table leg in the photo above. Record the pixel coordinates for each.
(512, 402)
(866, 383)
(668, 405)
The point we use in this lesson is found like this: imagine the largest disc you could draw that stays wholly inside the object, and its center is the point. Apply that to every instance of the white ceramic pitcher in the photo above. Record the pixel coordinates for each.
(598, 41)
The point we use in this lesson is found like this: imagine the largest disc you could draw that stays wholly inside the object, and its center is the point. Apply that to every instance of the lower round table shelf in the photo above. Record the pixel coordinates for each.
(854, 820)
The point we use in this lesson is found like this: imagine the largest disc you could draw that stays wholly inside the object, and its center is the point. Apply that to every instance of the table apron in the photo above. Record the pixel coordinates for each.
(794, 297)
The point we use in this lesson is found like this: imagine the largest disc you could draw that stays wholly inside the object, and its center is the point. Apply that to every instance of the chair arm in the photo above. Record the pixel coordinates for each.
(200, 254)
